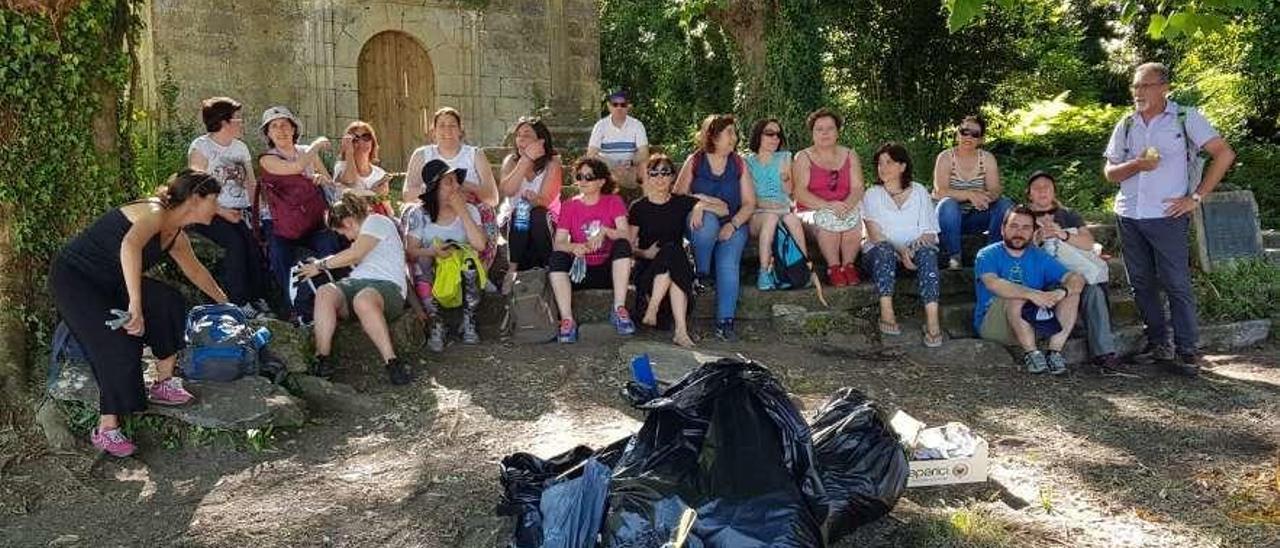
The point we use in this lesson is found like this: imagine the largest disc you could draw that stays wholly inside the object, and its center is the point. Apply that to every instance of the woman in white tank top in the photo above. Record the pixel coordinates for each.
(356, 169)
(478, 184)
(531, 180)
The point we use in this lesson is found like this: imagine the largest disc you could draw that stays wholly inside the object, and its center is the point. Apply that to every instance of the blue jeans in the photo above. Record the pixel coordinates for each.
(1157, 259)
(955, 222)
(728, 258)
(322, 242)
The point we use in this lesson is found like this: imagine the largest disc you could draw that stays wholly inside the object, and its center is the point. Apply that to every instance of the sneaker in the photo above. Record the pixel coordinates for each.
(113, 442)
(250, 313)
(701, 285)
(1187, 365)
(568, 332)
(1036, 362)
(169, 392)
(621, 320)
(835, 276)
(954, 263)
(724, 331)
(1057, 363)
(1152, 353)
(398, 372)
(322, 367)
(262, 307)
(851, 275)
(765, 281)
(435, 340)
(1111, 364)
(469, 333)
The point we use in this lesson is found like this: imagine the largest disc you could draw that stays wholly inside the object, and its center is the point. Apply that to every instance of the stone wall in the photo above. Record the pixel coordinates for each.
(512, 58)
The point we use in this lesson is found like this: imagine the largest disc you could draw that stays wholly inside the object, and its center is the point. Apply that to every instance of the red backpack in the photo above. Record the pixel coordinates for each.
(297, 204)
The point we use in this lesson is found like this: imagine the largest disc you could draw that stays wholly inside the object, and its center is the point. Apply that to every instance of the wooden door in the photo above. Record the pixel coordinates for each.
(397, 92)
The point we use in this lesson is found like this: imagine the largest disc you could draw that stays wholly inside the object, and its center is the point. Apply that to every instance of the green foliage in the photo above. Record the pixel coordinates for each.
(1241, 290)
(675, 65)
(159, 139)
(1167, 20)
(54, 79)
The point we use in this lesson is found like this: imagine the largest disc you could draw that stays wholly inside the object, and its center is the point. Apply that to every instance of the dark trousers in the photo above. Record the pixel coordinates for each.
(115, 357)
(1157, 257)
(241, 274)
(599, 276)
(322, 242)
(530, 248)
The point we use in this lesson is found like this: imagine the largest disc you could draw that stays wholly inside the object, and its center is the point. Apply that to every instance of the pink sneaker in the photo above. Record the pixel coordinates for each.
(113, 442)
(169, 392)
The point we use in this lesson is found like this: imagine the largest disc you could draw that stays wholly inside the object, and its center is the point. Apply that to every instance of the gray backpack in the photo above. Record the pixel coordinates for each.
(531, 316)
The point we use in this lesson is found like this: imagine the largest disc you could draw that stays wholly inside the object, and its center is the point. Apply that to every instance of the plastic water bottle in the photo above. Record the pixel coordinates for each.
(579, 270)
(261, 337)
(523, 211)
(642, 371)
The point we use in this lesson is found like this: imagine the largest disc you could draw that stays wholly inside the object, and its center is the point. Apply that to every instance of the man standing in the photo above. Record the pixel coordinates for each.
(620, 140)
(1023, 292)
(1152, 156)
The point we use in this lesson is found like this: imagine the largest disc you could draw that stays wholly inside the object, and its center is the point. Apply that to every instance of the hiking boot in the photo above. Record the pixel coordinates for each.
(1057, 363)
(398, 372)
(435, 340)
(113, 442)
(1152, 353)
(169, 392)
(851, 275)
(835, 276)
(568, 332)
(1036, 362)
(322, 367)
(725, 332)
(468, 331)
(1187, 365)
(765, 281)
(621, 320)
(1111, 364)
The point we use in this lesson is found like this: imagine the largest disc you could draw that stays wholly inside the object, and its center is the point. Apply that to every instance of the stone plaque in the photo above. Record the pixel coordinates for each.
(1227, 228)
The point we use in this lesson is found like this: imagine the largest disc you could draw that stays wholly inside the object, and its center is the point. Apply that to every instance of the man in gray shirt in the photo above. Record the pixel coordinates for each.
(1151, 158)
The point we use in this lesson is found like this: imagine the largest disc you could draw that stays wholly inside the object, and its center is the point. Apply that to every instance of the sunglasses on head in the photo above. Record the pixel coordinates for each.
(584, 176)
(366, 137)
(970, 132)
(661, 172)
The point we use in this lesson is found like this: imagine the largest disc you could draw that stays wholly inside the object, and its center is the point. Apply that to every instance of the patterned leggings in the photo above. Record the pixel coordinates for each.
(883, 259)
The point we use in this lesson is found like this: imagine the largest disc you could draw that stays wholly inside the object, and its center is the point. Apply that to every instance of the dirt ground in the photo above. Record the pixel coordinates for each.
(1084, 460)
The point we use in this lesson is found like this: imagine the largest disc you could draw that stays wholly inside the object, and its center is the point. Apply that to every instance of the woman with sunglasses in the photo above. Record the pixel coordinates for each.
(770, 165)
(829, 190)
(664, 277)
(966, 183)
(102, 269)
(356, 169)
(531, 178)
(480, 187)
(593, 229)
(717, 175)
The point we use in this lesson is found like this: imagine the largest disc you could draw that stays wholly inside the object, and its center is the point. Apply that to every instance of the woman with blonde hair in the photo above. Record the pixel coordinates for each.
(357, 170)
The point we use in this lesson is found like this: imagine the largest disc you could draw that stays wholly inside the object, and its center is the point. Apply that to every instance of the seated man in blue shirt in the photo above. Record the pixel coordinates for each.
(1022, 292)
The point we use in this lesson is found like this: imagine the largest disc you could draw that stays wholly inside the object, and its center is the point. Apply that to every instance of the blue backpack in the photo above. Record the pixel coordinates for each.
(791, 266)
(220, 344)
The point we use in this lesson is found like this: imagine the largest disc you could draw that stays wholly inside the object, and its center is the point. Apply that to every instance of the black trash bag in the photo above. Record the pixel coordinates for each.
(572, 509)
(524, 477)
(863, 465)
(726, 442)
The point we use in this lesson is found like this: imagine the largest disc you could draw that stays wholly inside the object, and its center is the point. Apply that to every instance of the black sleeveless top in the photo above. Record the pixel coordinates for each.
(95, 252)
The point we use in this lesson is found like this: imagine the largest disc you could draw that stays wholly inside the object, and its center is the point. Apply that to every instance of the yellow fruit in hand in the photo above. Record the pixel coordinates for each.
(1151, 153)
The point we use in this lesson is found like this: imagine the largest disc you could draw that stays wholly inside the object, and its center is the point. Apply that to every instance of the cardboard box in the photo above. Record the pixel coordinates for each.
(971, 469)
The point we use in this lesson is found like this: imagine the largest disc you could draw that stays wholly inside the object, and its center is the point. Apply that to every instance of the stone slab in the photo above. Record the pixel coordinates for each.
(669, 362)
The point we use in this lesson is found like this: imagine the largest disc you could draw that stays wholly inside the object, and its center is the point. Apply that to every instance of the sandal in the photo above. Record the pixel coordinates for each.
(892, 329)
(932, 340)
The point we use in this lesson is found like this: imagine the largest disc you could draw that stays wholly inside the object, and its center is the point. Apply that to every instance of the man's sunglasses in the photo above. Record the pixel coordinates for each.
(618, 105)
(970, 132)
(661, 172)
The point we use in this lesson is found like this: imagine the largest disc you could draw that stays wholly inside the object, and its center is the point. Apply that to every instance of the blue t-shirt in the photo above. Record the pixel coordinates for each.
(1034, 269)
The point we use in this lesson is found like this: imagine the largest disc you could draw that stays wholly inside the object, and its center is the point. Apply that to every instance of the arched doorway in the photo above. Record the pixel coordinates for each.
(397, 92)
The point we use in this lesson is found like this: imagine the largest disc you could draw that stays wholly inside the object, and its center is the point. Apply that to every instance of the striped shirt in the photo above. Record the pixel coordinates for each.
(618, 144)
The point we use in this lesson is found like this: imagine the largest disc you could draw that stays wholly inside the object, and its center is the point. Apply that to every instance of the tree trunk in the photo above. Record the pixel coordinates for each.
(13, 328)
(746, 22)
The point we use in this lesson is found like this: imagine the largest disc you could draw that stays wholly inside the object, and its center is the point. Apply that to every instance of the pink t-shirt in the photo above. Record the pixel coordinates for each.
(578, 218)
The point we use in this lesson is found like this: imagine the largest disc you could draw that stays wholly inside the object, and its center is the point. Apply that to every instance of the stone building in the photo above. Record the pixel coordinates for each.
(388, 62)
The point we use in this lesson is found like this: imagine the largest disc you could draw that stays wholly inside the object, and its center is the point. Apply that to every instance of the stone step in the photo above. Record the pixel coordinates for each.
(1273, 255)
(1271, 238)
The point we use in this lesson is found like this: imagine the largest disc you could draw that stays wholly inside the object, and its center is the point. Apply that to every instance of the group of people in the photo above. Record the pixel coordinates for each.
(685, 235)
